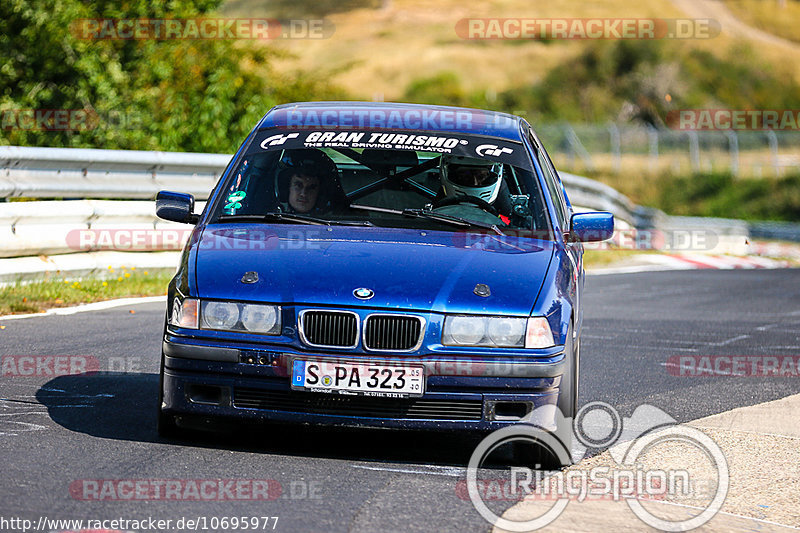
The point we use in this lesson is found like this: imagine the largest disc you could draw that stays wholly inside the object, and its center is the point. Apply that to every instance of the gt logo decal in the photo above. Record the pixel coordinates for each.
(277, 139)
(492, 150)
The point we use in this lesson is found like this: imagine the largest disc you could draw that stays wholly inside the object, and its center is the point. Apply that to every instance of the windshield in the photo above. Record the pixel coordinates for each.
(402, 180)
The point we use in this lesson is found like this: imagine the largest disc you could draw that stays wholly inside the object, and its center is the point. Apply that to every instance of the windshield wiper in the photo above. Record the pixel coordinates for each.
(439, 217)
(292, 217)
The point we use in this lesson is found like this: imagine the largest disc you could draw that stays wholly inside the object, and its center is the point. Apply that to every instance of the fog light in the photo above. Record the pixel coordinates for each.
(204, 394)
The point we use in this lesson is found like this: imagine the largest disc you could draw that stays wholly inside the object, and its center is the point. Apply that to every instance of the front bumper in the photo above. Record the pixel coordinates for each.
(206, 380)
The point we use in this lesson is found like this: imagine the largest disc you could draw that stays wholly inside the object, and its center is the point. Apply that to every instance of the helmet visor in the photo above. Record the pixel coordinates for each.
(472, 175)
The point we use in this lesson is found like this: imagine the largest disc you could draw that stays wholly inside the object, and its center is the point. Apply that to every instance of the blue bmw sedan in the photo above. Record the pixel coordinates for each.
(378, 265)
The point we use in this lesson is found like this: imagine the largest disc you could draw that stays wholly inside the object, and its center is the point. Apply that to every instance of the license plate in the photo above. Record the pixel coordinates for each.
(360, 379)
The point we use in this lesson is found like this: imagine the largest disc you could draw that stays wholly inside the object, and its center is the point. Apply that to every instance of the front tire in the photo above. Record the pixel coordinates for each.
(532, 455)
(165, 424)
(568, 390)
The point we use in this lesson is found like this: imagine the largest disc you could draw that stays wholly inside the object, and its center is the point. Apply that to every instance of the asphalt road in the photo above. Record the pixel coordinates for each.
(56, 432)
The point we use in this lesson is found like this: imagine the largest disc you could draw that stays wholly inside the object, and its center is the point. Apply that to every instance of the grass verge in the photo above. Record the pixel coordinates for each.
(606, 257)
(711, 194)
(38, 296)
(772, 16)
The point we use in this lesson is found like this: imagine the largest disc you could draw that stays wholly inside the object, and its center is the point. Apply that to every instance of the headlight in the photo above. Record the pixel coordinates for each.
(464, 330)
(184, 313)
(220, 315)
(505, 332)
(230, 316)
(259, 318)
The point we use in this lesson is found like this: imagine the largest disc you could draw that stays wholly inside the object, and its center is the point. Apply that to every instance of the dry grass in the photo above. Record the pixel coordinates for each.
(604, 257)
(769, 15)
(376, 53)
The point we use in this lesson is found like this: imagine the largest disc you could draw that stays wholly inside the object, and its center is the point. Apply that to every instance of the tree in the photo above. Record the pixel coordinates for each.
(187, 95)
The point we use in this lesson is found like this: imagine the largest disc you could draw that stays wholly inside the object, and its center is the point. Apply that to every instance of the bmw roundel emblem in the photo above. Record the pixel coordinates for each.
(362, 293)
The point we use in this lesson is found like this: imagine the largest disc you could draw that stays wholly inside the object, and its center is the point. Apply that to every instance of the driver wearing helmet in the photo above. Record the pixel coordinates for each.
(309, 183)
(469, 183)
(468, 176)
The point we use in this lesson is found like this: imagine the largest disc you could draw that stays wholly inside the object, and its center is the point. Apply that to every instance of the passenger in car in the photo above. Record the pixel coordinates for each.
(309, 183)
(303, 192)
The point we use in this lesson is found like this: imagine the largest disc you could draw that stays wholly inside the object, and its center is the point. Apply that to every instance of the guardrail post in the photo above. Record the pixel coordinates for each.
(694, 150)
(616, 150)
(773, 148)
(652, 137)
(577, 147)
(733, 145)
(616, 147)
(570, 150)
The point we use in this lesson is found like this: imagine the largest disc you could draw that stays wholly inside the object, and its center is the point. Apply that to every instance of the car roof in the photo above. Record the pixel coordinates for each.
(393, 117)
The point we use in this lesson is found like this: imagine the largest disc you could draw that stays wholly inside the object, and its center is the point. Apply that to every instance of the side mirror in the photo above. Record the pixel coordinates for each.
(591, 227)
(176, 206)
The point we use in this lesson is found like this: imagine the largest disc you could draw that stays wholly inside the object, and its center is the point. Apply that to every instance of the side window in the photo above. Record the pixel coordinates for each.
(552, 186)
(562, 193)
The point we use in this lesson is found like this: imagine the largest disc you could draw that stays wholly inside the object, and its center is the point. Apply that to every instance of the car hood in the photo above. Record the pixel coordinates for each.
(406, 269)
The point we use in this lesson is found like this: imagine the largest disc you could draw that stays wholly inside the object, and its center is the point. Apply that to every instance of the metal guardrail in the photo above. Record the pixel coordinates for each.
(782, 231)
(90, 173)
(62, 227)
(598, 196)
(45, 173)
(48, 228)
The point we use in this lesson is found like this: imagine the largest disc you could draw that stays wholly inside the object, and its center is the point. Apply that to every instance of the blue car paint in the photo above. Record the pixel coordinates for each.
(592, 226)
(323, 265)
(394, 116)
(429, 272)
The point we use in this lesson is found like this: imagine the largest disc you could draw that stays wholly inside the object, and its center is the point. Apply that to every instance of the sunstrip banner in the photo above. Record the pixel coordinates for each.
(503, 151)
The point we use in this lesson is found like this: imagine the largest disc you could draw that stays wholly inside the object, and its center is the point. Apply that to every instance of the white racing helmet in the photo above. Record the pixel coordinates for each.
(468, 176)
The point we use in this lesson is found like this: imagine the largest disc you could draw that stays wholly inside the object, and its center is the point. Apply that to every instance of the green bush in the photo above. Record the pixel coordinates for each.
(443, 88)
(182, 95)
(722, 195)
(642, 81)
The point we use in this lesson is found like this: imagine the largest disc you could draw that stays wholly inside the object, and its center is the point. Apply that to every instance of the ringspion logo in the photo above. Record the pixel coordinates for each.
(629, 440)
